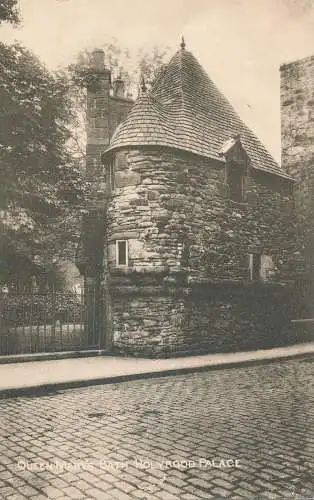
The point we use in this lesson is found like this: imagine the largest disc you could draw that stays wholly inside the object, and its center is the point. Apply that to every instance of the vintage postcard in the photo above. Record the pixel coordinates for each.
(156, 249)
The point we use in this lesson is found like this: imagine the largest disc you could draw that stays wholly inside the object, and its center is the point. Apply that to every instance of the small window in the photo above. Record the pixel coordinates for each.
(122, 251)
(109, 168)
(261, 267)
(92, 122)
(185, 254)
(111, 171)
(255, 261)
(235, 181)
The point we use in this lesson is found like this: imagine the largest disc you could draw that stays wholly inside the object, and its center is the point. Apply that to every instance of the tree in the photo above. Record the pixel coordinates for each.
(40, 178)
(42, 148)
(121, 62)
(9, 12)
(41, 184)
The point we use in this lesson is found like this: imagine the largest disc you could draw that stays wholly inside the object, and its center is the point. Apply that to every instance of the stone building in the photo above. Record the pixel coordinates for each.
(297, 137)
(107, 105)
(195, 232)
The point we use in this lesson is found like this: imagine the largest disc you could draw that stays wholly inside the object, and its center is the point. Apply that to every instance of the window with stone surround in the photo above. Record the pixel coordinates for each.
(122, 253)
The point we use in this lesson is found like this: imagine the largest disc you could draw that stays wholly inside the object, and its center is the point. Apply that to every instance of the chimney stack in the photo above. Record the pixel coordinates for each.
(97, 126)
(98, 59)
(118, 87)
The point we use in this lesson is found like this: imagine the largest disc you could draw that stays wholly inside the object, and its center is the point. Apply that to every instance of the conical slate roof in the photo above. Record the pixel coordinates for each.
(145, 124)
(185, 110)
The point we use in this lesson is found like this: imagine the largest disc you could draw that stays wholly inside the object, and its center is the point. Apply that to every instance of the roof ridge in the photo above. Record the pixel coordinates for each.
(181, 79)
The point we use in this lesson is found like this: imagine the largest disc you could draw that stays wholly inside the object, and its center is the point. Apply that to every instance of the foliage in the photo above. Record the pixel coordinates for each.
(40, 309)
(41, 181)
(42, 145)
(121, 62)
(9, 12)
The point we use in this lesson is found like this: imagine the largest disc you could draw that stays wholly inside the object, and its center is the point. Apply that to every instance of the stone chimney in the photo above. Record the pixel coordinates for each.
(98, 60)
(118, 87)
(98, 122)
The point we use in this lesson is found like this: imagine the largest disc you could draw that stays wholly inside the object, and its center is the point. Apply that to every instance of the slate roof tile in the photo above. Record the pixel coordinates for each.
(185, 110)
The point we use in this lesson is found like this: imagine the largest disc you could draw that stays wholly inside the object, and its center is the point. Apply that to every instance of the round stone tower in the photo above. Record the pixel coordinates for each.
(174, 167)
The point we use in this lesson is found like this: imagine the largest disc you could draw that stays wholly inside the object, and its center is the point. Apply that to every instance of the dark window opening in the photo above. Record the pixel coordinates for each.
(235, 181)
(110, 172)
(256, 266)
(122, 253)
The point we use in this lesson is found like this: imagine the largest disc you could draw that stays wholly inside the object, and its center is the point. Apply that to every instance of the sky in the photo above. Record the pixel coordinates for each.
(240, 43)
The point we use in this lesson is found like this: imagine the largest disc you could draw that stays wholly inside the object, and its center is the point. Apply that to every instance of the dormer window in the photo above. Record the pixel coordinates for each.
(237, 162)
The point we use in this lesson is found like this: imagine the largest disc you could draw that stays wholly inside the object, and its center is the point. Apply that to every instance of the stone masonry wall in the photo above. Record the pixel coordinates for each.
(175, 211)
(104, 113)
(147, 325)
(297, 113)
(297, 134)
(206, 319)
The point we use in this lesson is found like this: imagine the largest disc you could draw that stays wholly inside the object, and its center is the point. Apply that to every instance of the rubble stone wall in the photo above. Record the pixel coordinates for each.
(209, 320)
(297, 137)
(174, 210)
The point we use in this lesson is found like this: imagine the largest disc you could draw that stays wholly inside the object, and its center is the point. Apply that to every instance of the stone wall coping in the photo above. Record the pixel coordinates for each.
(229, 281)
(139, 282)
(139, 271)
(175, 277)
(153, 289)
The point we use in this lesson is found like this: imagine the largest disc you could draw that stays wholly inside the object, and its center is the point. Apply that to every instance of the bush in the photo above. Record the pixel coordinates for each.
(36, 309)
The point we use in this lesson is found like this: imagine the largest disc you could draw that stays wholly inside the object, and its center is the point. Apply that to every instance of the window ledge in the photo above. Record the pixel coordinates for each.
(238, 203)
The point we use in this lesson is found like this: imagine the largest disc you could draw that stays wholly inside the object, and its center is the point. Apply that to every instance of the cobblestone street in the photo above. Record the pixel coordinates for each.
(230, 433)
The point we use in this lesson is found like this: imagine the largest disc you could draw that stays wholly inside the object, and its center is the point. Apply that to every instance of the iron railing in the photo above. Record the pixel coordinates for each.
(49, 322)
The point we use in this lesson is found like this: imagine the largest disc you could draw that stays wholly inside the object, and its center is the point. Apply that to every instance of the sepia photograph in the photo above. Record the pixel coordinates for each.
(156, 249)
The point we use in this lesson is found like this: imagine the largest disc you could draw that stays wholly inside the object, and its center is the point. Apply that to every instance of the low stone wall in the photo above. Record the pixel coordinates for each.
(147, 325)
(204, 319)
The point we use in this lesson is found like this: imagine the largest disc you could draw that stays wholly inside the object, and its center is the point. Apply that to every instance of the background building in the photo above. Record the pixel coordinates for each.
(297, 136)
